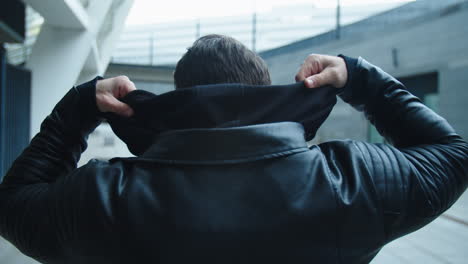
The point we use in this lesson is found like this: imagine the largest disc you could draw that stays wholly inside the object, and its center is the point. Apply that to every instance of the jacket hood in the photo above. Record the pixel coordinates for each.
(220, 106)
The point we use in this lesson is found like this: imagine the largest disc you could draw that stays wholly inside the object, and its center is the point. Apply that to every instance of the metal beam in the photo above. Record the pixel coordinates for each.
(64, 13)
(74, 46)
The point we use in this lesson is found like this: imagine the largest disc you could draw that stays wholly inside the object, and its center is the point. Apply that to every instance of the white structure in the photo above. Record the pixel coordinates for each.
(74, 45)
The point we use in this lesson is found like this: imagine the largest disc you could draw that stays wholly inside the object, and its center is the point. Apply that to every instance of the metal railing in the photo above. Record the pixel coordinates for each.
(165, 43)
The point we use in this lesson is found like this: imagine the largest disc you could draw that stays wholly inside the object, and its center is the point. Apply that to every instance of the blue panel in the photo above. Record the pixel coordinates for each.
(15, 93)
(2, 108)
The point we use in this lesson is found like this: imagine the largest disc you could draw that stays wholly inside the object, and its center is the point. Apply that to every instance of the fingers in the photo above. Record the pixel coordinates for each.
(319, 70)
(108, 91)
(309, 83)
(106, 102)
(312, 65)
(300, 76)
(123, 86)
(116, 106)
(326, 77)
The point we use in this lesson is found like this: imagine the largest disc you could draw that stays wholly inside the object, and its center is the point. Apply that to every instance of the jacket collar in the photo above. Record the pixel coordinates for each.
(228, 145)
(220, 106)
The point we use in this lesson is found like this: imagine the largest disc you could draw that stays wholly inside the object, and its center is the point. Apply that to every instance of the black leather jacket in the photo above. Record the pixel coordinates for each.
(253, 194)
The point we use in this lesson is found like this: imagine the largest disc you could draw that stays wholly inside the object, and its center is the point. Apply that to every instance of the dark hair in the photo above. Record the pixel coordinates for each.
(220, 59)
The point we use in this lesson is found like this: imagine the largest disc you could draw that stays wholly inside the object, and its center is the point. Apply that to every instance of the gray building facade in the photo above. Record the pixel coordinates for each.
(424, 44)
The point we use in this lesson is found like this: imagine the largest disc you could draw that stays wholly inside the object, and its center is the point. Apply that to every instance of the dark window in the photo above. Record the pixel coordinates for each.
(15, 89)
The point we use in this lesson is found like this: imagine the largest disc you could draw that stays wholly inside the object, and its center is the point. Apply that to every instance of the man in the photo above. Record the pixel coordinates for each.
(258, 195)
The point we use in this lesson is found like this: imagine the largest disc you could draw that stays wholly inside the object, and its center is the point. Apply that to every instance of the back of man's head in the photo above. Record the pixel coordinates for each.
(220, 59)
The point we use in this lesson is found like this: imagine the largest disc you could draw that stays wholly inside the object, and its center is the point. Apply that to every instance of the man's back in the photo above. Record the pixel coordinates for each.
(244, 194)
(239, 205)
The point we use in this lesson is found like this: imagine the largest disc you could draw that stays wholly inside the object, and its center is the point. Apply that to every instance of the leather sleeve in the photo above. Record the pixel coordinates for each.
(31, 197)
(424, 170)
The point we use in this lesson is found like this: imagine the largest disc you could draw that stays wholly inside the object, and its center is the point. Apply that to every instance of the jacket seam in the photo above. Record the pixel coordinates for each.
(381, 202)
(220, 161)
(338, 206)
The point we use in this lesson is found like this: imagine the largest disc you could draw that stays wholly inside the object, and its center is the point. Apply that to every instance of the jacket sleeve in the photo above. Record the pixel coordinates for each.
(425, 169)
(30, 192)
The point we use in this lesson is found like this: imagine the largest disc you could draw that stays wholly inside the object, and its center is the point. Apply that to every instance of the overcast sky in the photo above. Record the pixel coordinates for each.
(154, 11)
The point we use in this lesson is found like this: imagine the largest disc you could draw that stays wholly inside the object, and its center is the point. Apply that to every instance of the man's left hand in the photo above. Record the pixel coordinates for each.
(108, 91)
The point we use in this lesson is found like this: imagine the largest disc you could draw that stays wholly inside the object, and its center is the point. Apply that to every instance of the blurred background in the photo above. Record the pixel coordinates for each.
(48, 46)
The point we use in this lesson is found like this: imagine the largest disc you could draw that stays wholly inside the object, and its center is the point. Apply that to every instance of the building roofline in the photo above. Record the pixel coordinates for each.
(367, 27)
(143, 66)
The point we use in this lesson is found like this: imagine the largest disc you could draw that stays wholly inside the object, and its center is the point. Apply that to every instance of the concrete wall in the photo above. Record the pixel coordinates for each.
(154, 87)
(156, 79)
(437, 42)
(453, 102)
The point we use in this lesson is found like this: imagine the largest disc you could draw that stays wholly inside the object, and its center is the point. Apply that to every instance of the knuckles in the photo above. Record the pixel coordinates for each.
(124, 82)
(123, 77)
(313, 56)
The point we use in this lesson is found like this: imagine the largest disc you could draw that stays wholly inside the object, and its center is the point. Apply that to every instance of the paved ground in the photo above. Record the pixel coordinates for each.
(444, 241)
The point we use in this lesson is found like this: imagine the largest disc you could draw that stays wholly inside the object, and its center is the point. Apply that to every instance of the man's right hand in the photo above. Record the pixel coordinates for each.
(319, 70)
